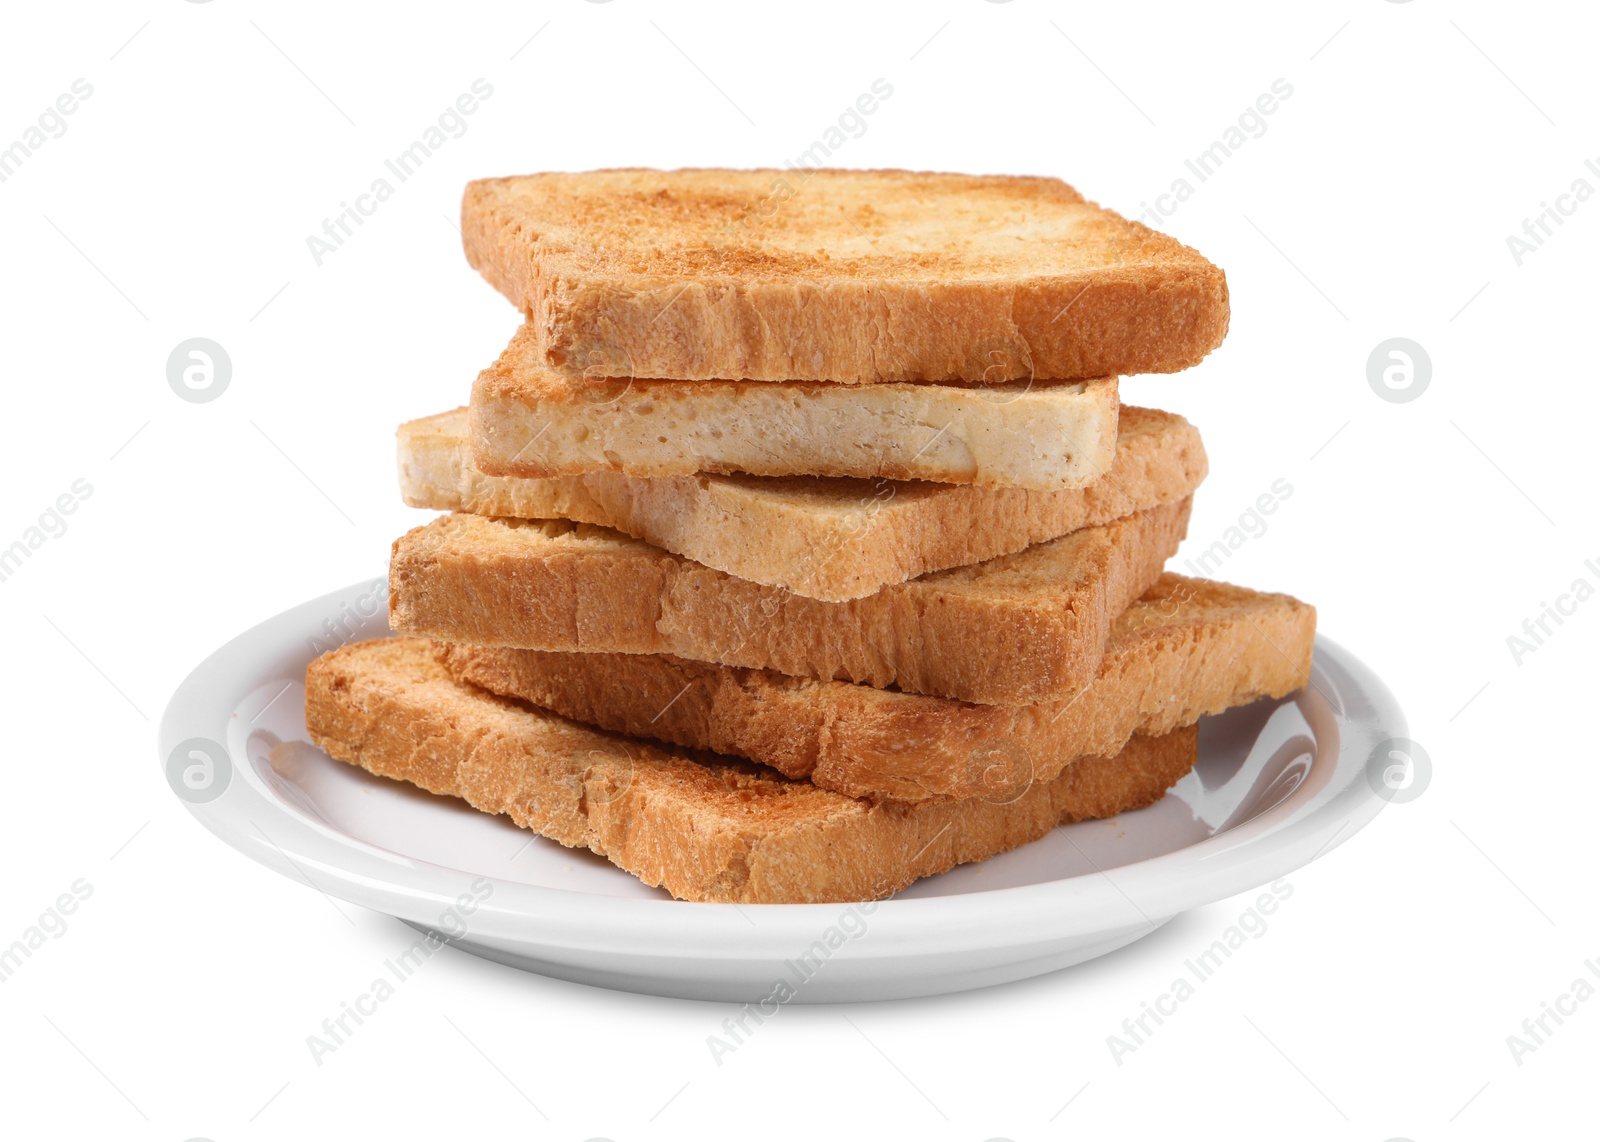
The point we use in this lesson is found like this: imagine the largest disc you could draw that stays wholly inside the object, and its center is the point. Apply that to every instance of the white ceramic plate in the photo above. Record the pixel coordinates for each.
(1278, 784)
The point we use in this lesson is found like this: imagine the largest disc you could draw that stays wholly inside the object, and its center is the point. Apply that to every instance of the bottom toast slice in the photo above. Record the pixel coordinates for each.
(704, 827)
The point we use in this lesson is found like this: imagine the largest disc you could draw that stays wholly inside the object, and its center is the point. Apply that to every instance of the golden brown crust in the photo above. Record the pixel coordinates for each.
(829, 539)
(1020, 628)
(704, 828)
(1188, 648)
(831, 275)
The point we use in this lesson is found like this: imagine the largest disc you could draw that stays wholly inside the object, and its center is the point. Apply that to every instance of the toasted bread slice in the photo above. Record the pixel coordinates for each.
(704, 828)
(833, 275)
(829, 539)
(1023, 628)
(1188, 648)
(528, 420)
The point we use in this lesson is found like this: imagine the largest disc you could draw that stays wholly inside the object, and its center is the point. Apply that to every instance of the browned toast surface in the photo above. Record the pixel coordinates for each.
(704, 828)
(1187, 648)
(1020, 628)
(835, 275)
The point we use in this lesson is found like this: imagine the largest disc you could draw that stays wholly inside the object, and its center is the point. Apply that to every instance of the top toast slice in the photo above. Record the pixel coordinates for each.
(834, 275)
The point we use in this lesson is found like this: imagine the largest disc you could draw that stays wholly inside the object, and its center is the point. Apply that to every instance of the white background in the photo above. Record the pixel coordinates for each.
(1376, 204)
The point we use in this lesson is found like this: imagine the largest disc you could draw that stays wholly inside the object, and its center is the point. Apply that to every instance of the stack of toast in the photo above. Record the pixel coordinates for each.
(798, 545)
